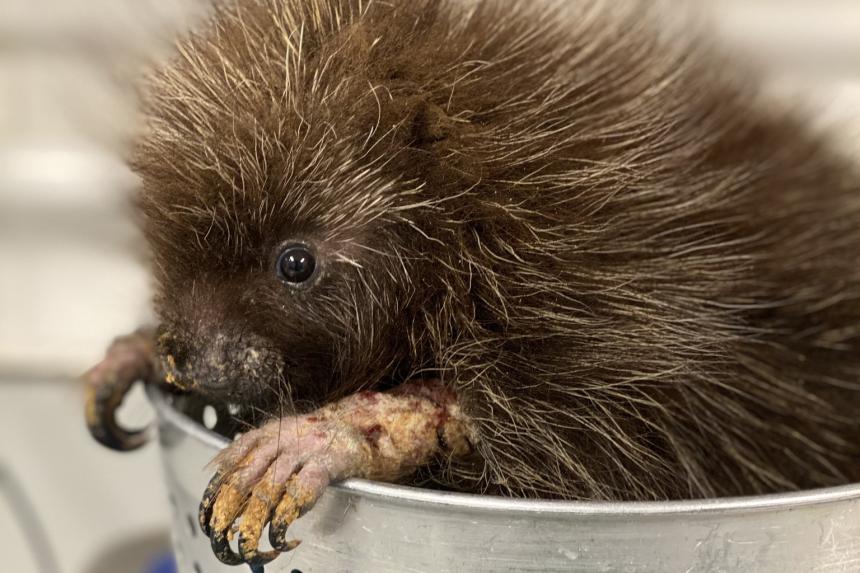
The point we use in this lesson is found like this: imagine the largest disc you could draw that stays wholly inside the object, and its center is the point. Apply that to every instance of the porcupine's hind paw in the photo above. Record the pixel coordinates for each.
(271, 476)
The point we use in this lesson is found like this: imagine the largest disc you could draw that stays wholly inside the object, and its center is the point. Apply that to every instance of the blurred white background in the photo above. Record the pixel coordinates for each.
(70, 270)
(70, 273)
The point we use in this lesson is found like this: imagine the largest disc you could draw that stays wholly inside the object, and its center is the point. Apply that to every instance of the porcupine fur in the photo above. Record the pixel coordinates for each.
(642, 279)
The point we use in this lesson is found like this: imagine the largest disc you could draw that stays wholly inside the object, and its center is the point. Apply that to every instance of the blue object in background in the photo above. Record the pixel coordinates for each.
(164, 564)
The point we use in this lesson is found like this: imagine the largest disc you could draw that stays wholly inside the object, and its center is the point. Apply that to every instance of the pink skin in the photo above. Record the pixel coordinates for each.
(273, 474)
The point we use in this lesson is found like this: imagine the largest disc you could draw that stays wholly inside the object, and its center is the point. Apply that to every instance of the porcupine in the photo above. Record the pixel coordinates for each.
(537, 249)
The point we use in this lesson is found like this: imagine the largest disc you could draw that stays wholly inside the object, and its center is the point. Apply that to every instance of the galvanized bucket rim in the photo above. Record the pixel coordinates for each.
(413, 495)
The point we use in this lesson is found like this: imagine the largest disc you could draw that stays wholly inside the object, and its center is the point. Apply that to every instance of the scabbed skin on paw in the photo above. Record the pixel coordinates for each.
(642, 282)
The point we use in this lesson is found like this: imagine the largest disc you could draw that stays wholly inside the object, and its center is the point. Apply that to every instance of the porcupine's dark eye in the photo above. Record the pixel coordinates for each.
(296, 264)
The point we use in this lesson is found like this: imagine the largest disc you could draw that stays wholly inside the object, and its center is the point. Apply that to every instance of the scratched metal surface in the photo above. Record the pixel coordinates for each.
(367, 527)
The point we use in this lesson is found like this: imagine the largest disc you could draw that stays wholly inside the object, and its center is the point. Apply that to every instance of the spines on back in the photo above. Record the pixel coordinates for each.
(643, 283)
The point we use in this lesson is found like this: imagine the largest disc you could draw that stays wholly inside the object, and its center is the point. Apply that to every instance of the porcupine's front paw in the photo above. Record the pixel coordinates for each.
(274, 474)
(129, 359)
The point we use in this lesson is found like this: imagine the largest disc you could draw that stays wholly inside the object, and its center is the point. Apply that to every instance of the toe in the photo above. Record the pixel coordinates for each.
(228, 504)
(204, 516)
(300, 495)
(256, 515)
(226, 508)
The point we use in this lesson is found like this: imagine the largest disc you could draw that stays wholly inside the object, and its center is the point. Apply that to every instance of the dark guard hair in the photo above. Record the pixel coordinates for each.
(643, 282)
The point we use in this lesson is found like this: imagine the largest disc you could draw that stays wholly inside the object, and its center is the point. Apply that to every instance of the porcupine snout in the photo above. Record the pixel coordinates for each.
(221, 365)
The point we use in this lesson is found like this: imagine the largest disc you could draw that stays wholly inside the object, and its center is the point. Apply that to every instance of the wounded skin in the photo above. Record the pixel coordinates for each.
(129, 359)
(274, 474)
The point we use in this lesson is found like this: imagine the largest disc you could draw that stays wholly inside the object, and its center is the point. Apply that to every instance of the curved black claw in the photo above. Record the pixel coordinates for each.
(278, 538)
(259, 558)
(102, 403)
(222, 550)
(225, 554)
(204, 514)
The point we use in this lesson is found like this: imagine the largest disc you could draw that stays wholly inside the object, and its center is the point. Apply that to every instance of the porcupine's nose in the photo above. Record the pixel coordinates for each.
(219, 364)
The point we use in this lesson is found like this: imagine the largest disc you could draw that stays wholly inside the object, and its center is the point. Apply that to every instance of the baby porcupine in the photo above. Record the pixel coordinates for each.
(576, 249)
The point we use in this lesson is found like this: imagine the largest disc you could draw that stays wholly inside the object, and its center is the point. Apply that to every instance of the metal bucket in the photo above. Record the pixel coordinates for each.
(360, 526)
